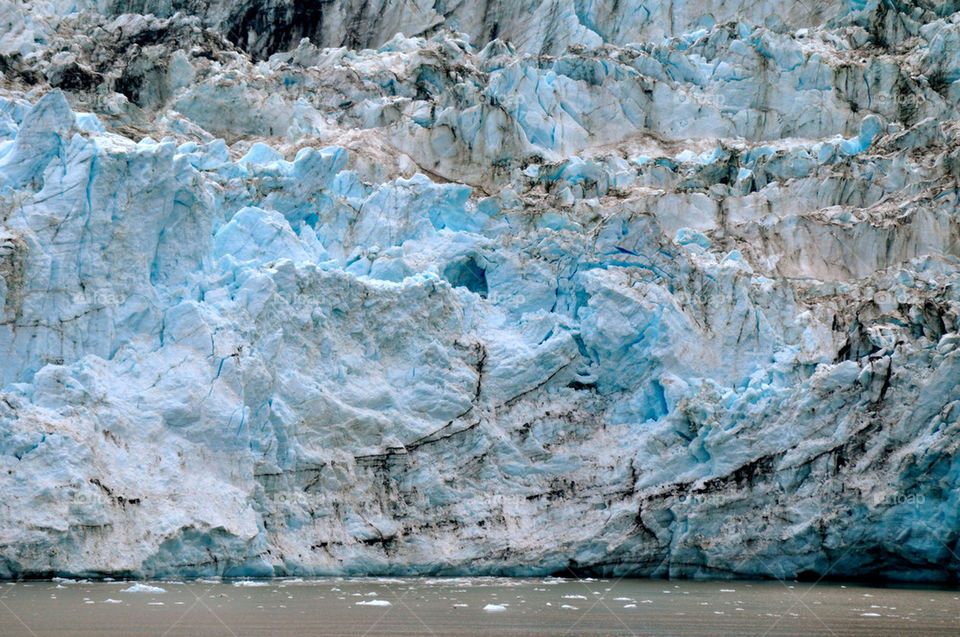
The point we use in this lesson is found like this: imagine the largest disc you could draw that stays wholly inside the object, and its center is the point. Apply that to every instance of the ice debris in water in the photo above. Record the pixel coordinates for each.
(143, 588)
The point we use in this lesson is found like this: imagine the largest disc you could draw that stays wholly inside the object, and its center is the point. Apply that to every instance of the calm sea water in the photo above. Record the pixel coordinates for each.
(474, 606)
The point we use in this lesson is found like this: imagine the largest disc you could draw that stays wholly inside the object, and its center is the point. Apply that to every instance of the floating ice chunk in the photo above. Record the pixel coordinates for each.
(494, 608)
(143, 588)
(374, 602)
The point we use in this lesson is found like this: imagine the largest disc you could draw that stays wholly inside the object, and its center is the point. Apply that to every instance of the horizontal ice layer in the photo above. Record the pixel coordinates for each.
(538, 27)
(682, 306)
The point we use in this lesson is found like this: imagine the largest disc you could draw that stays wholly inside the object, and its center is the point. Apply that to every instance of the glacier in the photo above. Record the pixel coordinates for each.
(602, 287)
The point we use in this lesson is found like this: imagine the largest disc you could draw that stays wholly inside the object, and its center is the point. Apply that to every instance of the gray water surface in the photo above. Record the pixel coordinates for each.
(471, 606)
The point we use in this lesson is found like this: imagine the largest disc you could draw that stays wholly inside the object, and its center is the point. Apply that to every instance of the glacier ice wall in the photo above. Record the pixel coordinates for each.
(649, 288)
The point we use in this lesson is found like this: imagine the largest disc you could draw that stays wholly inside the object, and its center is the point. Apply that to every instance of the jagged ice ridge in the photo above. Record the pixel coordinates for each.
(648, 288)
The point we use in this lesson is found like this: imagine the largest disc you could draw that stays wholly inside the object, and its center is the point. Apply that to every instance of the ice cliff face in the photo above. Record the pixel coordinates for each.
(662, 288)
